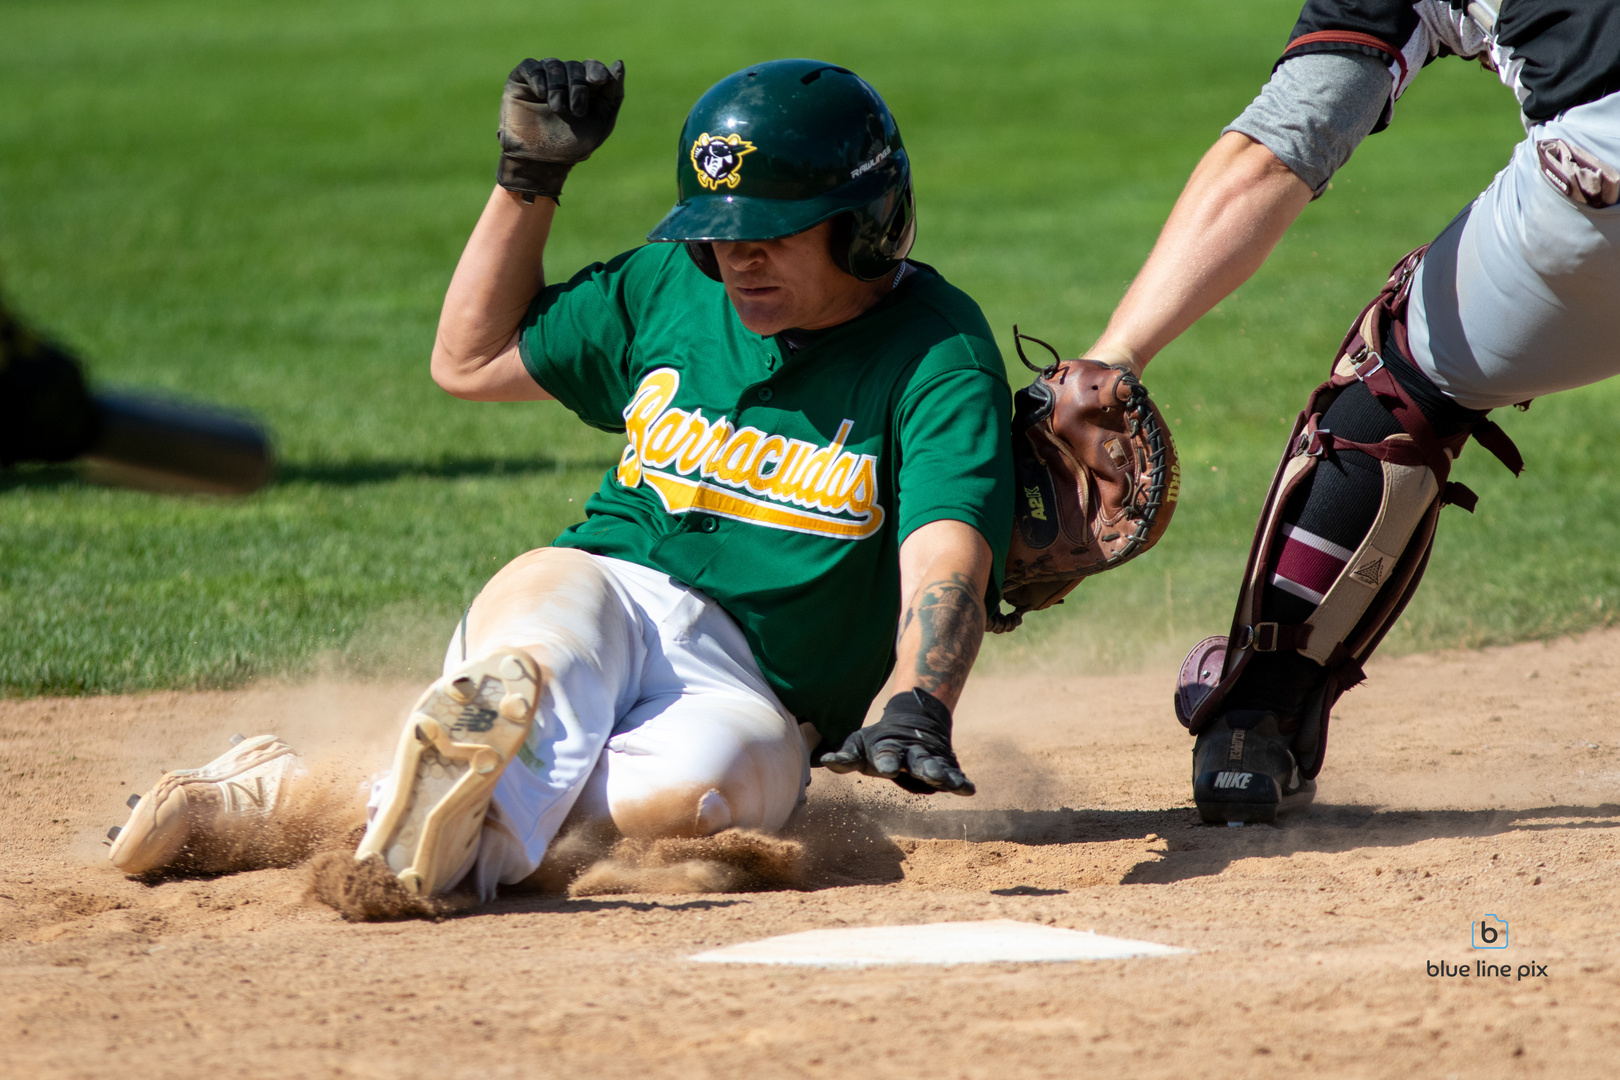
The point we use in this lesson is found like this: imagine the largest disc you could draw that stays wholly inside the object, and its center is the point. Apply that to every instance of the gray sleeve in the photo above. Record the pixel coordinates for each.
(1316, 110)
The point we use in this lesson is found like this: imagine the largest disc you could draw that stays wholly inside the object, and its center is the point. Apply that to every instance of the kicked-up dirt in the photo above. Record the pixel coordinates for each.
(1458, 785)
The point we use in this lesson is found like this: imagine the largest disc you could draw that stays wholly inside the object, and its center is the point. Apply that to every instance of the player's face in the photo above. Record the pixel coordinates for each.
(792, 283)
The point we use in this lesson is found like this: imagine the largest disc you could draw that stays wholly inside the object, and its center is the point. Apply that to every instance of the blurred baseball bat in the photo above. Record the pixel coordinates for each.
(167, 446)
(48, 414)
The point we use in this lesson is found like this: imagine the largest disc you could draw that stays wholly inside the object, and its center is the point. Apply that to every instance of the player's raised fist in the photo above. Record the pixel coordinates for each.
(554, 113)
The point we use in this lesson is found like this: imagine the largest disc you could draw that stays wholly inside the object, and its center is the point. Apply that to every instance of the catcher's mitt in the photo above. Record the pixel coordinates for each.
(1097, 479)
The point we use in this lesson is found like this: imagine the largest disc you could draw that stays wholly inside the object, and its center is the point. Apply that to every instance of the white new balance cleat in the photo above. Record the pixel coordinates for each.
(458, 739)
(194, 819)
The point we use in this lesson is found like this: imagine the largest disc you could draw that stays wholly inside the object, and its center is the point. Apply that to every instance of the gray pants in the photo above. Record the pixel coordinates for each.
(1520, 295)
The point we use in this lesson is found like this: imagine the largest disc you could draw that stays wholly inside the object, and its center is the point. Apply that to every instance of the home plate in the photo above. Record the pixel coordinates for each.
(994, 941)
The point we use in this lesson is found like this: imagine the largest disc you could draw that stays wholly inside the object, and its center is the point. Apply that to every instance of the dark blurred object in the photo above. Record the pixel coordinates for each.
(163, 446)
(45, 409)
(47, 414)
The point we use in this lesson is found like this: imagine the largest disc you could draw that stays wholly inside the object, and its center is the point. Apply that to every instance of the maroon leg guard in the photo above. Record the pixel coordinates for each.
(1379, 576)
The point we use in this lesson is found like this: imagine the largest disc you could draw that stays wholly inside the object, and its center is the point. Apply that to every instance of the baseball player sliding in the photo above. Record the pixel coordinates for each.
(812, 509)
(1514, 299)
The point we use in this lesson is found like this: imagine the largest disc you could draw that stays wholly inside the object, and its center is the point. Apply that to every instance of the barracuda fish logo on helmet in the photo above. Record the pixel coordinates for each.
(717, 160)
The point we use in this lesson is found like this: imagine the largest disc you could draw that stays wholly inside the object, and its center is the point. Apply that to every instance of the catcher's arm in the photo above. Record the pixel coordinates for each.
(944, 569)
(1235, 208)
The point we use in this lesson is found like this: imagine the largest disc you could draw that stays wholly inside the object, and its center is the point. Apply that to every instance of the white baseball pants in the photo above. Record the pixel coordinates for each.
(1520, 295)
(653, 714)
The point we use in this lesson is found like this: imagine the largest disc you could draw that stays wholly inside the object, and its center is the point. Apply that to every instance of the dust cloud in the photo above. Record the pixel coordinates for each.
(736, 860)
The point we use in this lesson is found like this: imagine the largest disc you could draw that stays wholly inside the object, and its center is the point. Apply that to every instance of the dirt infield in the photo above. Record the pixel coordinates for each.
(1457, 784)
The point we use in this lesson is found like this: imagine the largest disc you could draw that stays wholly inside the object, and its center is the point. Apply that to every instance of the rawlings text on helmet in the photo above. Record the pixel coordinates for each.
(717, 160)
(867, 166)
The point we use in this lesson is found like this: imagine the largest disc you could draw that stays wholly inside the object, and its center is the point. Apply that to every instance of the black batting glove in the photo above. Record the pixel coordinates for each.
(46, 412)
(554, 113)
(910, 744)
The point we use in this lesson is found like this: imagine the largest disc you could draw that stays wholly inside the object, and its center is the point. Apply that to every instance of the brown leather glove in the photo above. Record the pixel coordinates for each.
(1097, 479)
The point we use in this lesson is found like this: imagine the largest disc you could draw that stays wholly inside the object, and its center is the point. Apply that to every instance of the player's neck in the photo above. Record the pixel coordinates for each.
(862, 297)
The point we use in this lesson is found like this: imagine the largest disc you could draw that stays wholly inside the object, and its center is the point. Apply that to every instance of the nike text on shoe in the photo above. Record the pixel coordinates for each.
(1243, 770)
(456, 742)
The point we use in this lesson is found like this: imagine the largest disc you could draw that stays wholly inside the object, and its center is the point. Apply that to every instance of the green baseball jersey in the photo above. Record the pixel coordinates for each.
(781, 482)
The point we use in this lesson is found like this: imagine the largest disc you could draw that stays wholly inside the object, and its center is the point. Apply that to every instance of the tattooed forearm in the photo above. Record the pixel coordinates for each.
(950, 615)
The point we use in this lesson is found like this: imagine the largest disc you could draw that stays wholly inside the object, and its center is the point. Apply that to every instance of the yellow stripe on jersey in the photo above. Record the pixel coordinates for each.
(680, 495)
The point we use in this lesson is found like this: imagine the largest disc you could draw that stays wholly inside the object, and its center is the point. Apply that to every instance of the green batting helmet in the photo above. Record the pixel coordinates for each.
(782, 146)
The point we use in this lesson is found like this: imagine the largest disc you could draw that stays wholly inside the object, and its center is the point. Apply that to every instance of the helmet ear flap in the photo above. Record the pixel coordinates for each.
(868, 253)
(703, 255)
(902, 230)
(840, 240)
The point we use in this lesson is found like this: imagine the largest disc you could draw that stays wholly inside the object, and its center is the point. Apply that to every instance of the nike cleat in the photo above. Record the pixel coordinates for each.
(1244, 772)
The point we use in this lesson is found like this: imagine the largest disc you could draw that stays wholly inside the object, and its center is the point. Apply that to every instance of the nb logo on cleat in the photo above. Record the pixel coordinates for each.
(1238, 780)
(475, 718)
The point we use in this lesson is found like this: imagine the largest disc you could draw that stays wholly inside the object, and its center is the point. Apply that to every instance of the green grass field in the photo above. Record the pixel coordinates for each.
(261, 204)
